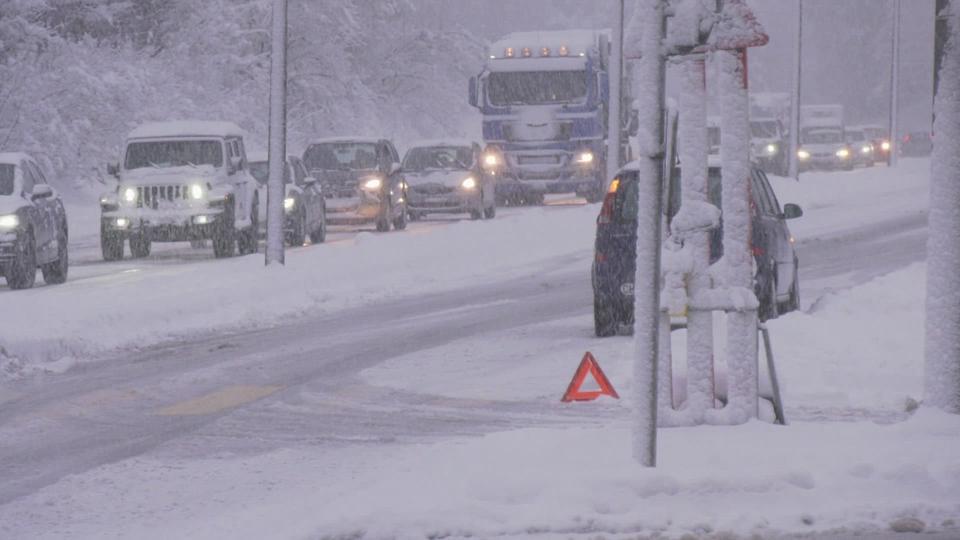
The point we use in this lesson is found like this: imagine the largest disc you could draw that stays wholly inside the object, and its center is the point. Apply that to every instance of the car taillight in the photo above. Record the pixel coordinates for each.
(606, 211)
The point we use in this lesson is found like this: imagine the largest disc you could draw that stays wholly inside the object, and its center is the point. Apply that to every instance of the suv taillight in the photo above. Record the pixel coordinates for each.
(606, 211)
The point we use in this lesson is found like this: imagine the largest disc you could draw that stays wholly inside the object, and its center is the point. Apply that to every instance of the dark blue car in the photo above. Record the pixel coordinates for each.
(776, 282)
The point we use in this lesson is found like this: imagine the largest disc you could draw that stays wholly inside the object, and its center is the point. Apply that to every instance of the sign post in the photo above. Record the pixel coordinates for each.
(278, 135)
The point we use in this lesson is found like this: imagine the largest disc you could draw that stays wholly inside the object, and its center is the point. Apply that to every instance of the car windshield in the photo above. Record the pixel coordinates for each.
(855, 136)
(438, 157)
(536, 87)
(261, 172)
(763, 129)
(822, 137)
(7, 173)
(342, 156)
(161, 154)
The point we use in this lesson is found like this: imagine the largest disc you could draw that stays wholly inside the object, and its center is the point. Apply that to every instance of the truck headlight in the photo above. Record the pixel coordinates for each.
(130, 195)
(585, 157)
(9, 221)
(771, 149)
(373, 184)
(468, 183)
(803, 154)
(885, 145)
(843, 153)
(196, 191)
(289, 203)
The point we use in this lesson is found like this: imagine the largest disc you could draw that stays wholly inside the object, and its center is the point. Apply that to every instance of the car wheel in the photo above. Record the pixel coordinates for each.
(793, 304)
(225, 234)
(604, 318)
(55, 273)
(414, 216)
(490, 212)
(400, 223)
(140, 245)
(298, 235)
(249, 240)
(319, 235)
(476, 214)
(23, 270)
(383, 221)
(111, 244)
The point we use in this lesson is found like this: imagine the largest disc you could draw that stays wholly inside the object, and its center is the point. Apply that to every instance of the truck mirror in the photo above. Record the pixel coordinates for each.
(472, 91)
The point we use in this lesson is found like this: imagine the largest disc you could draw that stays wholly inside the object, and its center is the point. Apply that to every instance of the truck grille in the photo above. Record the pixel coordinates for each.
(155, 196)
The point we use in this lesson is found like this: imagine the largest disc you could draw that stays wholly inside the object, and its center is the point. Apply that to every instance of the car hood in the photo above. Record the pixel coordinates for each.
(446, 178)
(328, 177)
(10, 204)
(168, 175)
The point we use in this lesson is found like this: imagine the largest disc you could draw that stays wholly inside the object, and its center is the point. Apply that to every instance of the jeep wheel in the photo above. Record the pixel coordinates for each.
(140, 245)
(298, 235)
(225, 234)
(23, 270)
(249, 240)
(55, 273)
(111, 244)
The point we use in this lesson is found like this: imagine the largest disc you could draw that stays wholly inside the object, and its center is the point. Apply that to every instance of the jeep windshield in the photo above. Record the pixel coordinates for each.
(536, 87)
(341, 156)
(161, 154)
(438, 157)
(7, 173)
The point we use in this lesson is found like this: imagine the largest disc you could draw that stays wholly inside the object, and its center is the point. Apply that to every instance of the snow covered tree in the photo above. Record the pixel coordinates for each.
(942, 376)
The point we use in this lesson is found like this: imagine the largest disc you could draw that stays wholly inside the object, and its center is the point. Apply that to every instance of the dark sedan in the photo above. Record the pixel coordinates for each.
(776, 282)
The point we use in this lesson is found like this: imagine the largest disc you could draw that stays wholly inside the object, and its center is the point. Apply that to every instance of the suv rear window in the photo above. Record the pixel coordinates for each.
(7, 173)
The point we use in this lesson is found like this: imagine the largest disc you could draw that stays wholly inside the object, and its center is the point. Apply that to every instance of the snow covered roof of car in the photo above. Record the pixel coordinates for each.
(14, 158)
(186, 128)
(356, 139)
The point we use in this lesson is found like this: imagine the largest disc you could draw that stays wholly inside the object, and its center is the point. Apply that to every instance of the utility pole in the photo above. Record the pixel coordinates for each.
(278, 135)
(894, 85)
(614, 110)
(795, 102)
(649, 81)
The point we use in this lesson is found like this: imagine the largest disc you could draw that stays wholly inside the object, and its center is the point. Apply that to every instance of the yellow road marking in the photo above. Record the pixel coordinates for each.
(227, 398)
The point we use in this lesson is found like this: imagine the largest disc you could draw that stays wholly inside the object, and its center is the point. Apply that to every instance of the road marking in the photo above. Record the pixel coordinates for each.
(232, 396)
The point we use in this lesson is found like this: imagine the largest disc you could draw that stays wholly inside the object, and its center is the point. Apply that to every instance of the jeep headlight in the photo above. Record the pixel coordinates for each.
(130, 195)
(196, 191)
(373, 184)
(585, 158)
(843, 153)
(9, 221)
(468, 183)
(289, 203)
(771, 149)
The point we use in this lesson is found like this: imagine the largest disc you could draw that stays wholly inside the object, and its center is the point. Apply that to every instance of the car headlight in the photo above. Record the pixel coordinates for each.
(196, 191)
(9, 221)
(843, 153)
(585, 157)
(373, 184)
(468, 183)
(771, 149)
(289, 203)
(885, 145)
(130, 195)
(490, 160)
(803, 154)
(866, 149)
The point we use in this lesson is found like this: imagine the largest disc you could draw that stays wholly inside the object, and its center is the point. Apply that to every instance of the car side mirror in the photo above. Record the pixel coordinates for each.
(394, 168)
(472, 91)
(41, 191)
(113, 169)
(792, 211)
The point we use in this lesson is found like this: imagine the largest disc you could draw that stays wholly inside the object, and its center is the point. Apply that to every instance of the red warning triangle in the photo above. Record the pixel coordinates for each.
(589, 366)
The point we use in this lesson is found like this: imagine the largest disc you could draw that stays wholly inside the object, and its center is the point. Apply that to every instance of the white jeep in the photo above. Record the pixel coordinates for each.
(177, 182)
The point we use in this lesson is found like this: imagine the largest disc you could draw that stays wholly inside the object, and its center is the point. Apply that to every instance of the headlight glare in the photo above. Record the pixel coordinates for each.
(803, 154)
(373, 184)
(491, 160)
(843, 153)
(866, 149)
(130, 195)
(289, 203)
(469, 183)
(585, 157)
(196, 191)
(9, 221)
(885, 145)
(771, 149)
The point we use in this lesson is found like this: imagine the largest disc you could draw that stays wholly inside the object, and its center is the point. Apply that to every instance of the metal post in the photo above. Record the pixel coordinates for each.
(774, 381)
(614, 113)
(795, 102)
(649, 83)
(894, 85)
(278, 135)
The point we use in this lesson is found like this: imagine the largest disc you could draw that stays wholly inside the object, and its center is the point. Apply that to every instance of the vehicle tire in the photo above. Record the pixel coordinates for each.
(23, 270)
(298, 235)
(476, 214)
(55, 273)
(400, 223)
(319, 235)
(111, 244)
(249, 239)
(225, 234)
(793, 304)
(414, 216)
(490, 212)
(768, 298)
(140, 245)
(383, 222)
(605, 321)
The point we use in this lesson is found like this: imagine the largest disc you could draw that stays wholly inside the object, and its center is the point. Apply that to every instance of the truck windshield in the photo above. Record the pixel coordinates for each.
(821, 136)
(763, 129)
(438, 157)
(343, 156)
(536, 87)
(173, 154)
(6, 178)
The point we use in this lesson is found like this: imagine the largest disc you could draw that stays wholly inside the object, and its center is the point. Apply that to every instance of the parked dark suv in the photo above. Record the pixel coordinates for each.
(33, 224)
(776, 282)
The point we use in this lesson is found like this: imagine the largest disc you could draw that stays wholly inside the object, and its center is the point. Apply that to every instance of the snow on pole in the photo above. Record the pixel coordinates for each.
(649, 78)
(615, 76)
(942, 354)
(894, 84)
(795, 101)
(689, 224)
(278, 135)
(741, 349)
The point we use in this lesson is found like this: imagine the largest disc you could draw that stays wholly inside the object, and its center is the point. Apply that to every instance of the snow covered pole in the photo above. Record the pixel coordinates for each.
(615, 76)
(741, 353)
(649, 80)
(278, 135)
(795, 102)
(692, 133)
(942, 354)
(894, 85)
